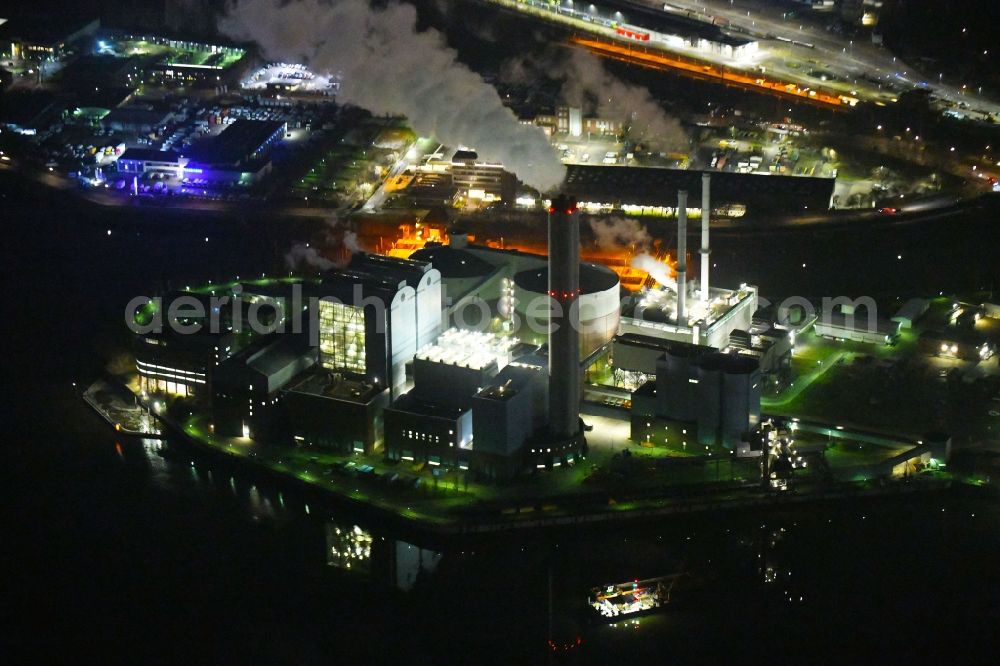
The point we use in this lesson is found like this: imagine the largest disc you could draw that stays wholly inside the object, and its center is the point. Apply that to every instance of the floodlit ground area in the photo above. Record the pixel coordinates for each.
(895, 388)
(290, 78)
(174, 52)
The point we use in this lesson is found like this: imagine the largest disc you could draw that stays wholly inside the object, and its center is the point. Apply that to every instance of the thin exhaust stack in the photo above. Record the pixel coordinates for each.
(682, 223)
(706, 208)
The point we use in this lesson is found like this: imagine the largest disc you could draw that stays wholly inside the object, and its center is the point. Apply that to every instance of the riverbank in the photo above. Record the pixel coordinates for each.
(449, 511)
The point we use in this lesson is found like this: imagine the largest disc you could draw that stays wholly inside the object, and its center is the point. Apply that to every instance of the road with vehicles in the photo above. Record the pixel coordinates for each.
(845, 57)
(795, 48)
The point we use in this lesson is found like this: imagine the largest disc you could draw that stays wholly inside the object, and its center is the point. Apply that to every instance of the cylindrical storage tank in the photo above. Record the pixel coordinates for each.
(740, 398)
(458, 238)
(675, 385)
(461, 272)
(598, 303)
(709, 395)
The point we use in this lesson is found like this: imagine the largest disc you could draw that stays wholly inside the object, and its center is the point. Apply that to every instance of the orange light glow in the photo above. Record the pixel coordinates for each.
(701, 70)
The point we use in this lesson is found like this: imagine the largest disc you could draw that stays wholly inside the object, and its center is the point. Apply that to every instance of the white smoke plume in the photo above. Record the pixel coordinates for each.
(658, 270)
(304, 256)
(388, 67)
(338, 241)
(589, 85)
(615, 233)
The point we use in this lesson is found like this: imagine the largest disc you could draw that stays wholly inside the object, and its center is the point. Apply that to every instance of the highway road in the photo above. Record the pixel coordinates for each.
(795, 49)
(851, 59)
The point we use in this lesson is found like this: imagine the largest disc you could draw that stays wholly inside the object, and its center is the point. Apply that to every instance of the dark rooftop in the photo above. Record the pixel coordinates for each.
(509, 382)
(50, 30)
(593, 278)
(29, 108)
(453, 263)
(322, 383)
(137, 115)
(144, 154)
(238, 142)
(408, 403)
(284, 351)
(659, 186)
(408, 270)
(675, 347)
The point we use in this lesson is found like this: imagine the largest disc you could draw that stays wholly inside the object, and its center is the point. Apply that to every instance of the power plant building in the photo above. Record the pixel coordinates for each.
(334, 413)
(374, 315)
(514, 286)
(716, 393)
(653, 312)
(246, 390)
(433, 421)
(598, 302)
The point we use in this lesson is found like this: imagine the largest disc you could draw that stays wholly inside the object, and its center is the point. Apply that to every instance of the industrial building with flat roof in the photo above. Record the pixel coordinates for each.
(246, 386)
(332, 412)
(653, 190)
(859, 326)
(41, 37)
(242, 142)
(239, 155)
(374, 315)
(653, 312)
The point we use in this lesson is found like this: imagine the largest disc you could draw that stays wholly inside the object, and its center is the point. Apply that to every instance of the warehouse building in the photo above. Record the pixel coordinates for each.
(237, 156)
(653, 191)
(43, 37)
(137, 119)
(910, 312)
(859, 326)
(137, 161)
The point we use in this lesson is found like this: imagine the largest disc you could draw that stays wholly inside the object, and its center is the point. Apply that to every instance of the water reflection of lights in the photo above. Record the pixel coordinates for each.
(153, 450)
(348, 548)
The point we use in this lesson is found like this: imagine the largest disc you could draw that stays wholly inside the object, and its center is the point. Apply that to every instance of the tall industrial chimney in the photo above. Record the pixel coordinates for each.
(682, 228)
(706, 208)
(564, 321)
